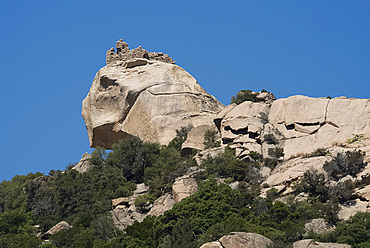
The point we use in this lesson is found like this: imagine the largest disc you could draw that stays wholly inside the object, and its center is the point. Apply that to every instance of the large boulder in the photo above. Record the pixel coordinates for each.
(84, 164)
(146, 98)
(63, 225)
(183, 187)
(240, 239)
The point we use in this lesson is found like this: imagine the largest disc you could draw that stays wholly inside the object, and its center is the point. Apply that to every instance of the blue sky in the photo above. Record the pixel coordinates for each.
(51, 50)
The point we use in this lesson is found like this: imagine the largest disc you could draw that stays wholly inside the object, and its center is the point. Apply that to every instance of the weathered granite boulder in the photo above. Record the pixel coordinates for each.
(310, 243)
(162, 204)
(63, 225)
(319, 226)
(146, 98)
(84, 164)
(183, 187)
(195, 139)
(240, 239)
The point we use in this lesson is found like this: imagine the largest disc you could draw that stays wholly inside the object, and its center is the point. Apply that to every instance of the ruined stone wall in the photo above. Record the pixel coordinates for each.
(123, 53)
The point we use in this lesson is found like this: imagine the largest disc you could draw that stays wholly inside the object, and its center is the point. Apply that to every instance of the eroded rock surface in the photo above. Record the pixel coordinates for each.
(310, 243)
(298, 124)
(145, 98)
(307, 124)
(84, 164)
(240, 239)
(195, 139)
(124, 211)
(63, 225)
(183, 187)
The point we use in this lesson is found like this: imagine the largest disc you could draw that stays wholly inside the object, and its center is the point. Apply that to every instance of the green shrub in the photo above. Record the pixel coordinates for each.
(349, 163)
(355, 138)
(181, 136)
(272, 194)
(227, 165)
(317, 153)
(342, 191)
(244, 95)
(210, 139)
(313, 183)
(270, 139)
(143, 201)
(276, 152)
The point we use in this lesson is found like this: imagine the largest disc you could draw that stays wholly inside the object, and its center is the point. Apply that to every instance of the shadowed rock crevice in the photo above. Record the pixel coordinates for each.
(104, 136)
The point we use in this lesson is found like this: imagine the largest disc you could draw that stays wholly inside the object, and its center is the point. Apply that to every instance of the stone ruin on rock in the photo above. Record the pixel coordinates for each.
(145, 95)
(123, 53)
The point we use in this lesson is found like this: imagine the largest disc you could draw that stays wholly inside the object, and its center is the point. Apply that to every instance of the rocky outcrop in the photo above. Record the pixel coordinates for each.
(183, 187)
(319, 226)
(240, 239)
(84, 164)
(195, 138)
(307, 124)
(310, 243)
(63, 225)
(146, 98)
(162, 204)
(124, 212)
(298, 124)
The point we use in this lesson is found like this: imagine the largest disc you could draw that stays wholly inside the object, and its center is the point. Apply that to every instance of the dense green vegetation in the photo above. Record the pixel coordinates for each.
(35, 202)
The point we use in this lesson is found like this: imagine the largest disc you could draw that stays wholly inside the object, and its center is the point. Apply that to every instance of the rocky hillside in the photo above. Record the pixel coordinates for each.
(186, 171)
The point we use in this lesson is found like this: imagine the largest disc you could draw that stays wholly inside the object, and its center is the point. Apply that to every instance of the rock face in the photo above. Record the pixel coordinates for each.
(144, 97)
(309, 123)
(63, 225)
(298, 124)
(124, 211)
(240, 239)
(83, 165)
(195, 139)
(310, 243)
(183, 187)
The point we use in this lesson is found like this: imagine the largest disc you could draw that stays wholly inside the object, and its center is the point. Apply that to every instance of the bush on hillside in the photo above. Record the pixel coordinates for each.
(349, 163)
(210, 139)
(244, 95)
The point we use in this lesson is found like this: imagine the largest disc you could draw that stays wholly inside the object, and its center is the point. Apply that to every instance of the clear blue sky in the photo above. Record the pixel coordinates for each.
(51, 50)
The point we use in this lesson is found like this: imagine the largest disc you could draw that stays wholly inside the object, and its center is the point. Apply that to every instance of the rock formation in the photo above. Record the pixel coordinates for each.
(254, 240)
(63, 225)
(143, 96)
(84, 164)
(183, 187)
(298, 124)
(240, 239)
(124, 212)
(310, 243)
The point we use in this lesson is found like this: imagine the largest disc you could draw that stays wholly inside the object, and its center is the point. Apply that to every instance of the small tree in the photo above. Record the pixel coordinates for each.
(314, 184)
(210, 139)
(349, 163)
